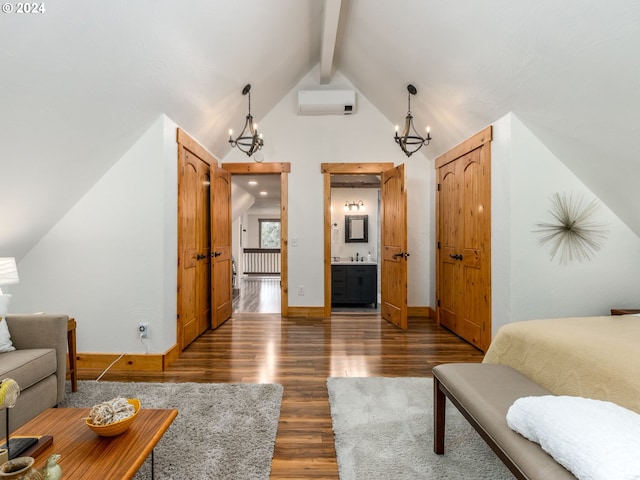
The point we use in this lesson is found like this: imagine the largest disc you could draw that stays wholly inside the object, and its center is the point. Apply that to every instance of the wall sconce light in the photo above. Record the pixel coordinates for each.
(354, 206)
(251, 141)
(411, 143)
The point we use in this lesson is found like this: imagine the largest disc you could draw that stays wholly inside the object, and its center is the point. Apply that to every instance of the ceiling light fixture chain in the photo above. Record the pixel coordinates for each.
(410, 140)
(252, 141)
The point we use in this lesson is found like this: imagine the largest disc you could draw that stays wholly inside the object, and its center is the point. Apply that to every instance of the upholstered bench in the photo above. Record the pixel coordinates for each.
(483, 393)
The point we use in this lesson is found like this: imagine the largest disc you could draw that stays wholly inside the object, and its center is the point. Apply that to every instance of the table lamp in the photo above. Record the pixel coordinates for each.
(9, 392)
(8, 276)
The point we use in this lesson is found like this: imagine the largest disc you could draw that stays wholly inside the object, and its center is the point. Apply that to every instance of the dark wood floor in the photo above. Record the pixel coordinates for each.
(300, 354)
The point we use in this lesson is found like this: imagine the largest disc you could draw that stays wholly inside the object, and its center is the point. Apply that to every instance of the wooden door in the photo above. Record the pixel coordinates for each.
(193, 303)
(464, 240)
(203, 219)
(221, 268)
(393, 305)
(448, 278)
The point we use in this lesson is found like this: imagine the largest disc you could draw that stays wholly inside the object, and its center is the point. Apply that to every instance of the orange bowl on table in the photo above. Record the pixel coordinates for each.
(116, 428)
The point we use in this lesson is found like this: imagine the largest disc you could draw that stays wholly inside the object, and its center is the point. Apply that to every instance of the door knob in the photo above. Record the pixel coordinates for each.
(215, 254)
(457, 256)
(401, 254)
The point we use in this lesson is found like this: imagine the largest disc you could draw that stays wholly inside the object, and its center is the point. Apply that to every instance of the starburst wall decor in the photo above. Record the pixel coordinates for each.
(572, 234)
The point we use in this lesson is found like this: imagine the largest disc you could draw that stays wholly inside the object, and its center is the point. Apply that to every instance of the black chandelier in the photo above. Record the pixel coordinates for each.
(410, 141)
(252, 141)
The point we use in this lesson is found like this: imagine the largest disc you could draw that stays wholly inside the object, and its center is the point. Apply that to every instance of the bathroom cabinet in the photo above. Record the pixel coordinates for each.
(354, 284)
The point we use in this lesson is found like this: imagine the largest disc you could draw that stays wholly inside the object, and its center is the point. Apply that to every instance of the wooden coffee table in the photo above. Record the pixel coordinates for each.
(86, 455)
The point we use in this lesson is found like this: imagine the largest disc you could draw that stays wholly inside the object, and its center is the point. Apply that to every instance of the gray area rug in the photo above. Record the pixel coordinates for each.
(383, 429)
(222, 431)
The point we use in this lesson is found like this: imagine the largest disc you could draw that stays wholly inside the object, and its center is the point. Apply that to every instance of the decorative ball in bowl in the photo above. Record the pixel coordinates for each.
(112, 418)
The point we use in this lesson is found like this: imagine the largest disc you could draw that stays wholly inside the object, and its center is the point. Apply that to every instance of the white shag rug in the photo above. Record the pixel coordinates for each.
(223, 431)
(383, 429)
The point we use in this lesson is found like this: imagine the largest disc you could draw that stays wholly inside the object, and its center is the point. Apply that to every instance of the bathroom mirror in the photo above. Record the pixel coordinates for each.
(356, 228)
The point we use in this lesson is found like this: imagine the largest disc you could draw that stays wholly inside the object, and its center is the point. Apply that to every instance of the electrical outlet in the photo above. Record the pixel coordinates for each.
(301, 290)
(143, 330)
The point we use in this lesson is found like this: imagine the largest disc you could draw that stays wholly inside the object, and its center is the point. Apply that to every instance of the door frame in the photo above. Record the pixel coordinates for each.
(327, 170)
(282, 169)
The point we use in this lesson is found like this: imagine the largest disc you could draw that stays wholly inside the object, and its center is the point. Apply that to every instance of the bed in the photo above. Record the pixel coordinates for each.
(595, 357)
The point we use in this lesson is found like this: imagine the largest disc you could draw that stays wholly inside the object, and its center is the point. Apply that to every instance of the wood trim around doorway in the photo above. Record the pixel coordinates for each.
(282, 169)
(327, 170)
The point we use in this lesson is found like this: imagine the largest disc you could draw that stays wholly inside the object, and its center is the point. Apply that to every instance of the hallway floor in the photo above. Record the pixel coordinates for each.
(257, 294)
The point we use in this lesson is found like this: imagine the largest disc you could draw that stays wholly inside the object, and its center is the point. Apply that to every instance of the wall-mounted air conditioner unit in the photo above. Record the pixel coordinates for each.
(326, 102)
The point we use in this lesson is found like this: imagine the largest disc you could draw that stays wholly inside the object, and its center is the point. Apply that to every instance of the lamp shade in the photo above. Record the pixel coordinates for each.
(8, 271)
(9, 391)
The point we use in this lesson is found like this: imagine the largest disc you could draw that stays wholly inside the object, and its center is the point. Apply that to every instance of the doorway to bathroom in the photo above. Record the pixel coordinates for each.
(391, 258)
(355, 243)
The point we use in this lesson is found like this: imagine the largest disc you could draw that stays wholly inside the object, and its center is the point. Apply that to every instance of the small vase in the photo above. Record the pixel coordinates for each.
(20, 468)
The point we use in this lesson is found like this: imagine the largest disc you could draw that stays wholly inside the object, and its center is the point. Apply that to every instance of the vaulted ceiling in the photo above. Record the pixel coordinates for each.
(81, 81)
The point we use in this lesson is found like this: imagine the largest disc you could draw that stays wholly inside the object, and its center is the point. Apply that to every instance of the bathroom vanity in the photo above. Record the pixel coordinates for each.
(354, 283)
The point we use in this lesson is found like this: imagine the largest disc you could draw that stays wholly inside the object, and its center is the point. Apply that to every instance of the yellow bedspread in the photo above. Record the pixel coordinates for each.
(595, 357)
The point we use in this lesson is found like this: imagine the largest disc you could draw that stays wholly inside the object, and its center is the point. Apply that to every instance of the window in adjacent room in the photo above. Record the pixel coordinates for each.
(269, 233)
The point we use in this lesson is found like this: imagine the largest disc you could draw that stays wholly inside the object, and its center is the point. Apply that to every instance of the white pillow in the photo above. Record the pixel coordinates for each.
(595, 440)
(5, 338)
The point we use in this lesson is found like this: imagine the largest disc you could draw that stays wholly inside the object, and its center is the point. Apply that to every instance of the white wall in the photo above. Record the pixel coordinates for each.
(366, 136)
(527, 284)
(110, 262)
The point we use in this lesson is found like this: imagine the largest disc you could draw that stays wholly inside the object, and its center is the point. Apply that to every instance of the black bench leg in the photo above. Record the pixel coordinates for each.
(439, 404)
